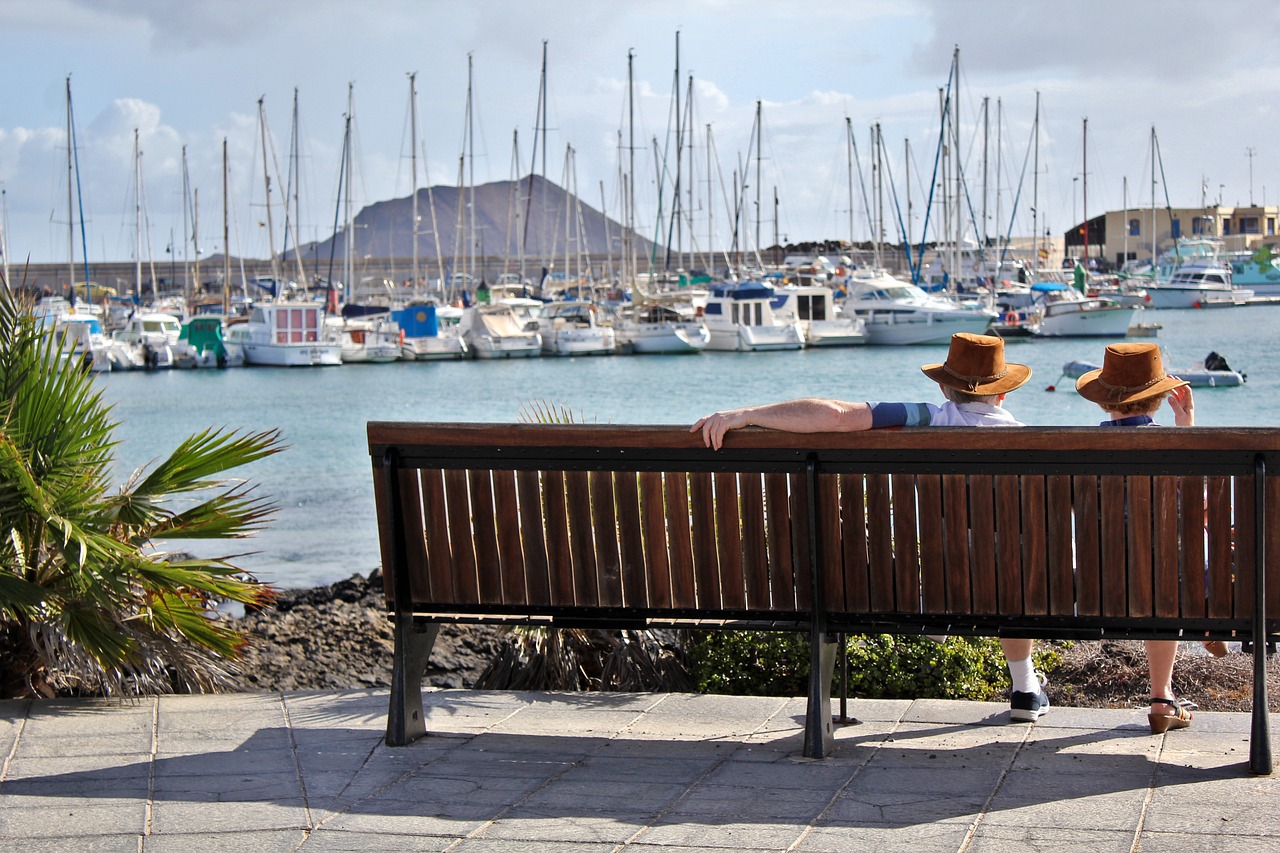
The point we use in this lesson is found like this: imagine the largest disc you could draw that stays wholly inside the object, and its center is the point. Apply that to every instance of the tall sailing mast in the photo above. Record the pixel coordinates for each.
(266, 178)
(413, 167)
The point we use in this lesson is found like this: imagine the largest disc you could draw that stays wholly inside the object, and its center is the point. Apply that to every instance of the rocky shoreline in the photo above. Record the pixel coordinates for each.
(338, 637)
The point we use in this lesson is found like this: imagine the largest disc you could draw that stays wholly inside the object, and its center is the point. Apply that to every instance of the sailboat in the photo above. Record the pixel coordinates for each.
(651, 324)
(283, 333)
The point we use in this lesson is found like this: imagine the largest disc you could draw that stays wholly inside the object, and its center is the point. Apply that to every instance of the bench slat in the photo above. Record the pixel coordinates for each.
(506, 517)
(582, 546)
(933, 577)
(604, 526)
(1243, 550)
(1061, 553)
(956, 521)
(654, 530)
(560, 561)
(1008, 539)
(634, 571)
(533, 537)
(905, 522)
(778, 531)
(1191, 521)
(680, 539)
(1112, 572)
(1164, 532)
(485, 536)
(853, 536)
(1035, 546)
(831, 563)
(755, 549)
(457, 503)
(1219, 546)
(1138, 517)
(705, 566)
(801, 567)
(982, 521)
(1087, 504)
(1271, 544)
(880, 543)
(729, 539)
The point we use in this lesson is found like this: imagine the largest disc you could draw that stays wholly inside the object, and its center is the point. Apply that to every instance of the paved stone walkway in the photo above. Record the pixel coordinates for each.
(582, 773)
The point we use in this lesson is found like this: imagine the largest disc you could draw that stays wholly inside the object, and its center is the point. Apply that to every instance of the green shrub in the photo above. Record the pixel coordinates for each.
(881, 666)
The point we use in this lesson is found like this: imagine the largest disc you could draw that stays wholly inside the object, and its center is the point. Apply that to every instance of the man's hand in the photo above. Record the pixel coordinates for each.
(713, 427)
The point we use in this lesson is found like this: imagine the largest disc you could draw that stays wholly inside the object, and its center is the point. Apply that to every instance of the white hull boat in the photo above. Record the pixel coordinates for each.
(430, 333)
(570, 328)
(493, 331)
(897, 313)
(1194, 284)
(286, 334)
(659, 329)
(813, 306)
(740, 318)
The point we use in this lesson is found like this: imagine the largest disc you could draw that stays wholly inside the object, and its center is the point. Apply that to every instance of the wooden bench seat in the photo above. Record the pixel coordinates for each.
(1035, 532)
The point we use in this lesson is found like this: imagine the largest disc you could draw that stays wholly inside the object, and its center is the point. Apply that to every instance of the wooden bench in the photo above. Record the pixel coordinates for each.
(1080, 533)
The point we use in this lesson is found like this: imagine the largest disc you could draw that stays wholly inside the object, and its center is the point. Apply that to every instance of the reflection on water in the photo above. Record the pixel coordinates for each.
(325, 530)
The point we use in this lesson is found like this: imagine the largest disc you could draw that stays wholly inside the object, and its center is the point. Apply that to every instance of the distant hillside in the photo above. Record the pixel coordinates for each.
(503, 209)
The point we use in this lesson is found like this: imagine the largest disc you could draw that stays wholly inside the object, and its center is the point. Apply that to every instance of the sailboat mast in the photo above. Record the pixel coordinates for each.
(226, 237)
(631, 168)
(1035, 187)
(759, 139)
(1084, 191)
(413, 167)
(348, 228)
(266, 178)
(848, 156)
(292, 194)
(71, 217)
(186, 258)
(471, 177)
(137, 217)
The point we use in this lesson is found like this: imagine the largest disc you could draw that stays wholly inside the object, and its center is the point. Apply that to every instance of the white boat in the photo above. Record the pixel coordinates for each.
(897, 313)
(81, 339)
(370, 339)
(202, 343)
(1257, 271)
(1193, 284)
(494, 331)
(813, 306)
(571, 328)
(740, 318)
(660, 328)
(1060, 311)
(430, 332)
(153, 335)
(286, 334)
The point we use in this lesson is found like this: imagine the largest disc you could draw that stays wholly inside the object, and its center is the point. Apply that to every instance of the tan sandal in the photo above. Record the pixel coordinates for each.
(1161, 723)
(1217, 648)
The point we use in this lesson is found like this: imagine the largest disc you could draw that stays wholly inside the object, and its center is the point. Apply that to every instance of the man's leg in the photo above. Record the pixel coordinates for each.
(1027, 699)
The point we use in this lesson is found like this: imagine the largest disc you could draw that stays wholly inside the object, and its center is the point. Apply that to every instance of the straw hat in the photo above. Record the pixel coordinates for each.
(975, 364)
(1129, 372)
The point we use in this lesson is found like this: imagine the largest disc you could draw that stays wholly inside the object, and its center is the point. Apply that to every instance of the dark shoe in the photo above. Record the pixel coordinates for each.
(1161, 723)
(1027, 707)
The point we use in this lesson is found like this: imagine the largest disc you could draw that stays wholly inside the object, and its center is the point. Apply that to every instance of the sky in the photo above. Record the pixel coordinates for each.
(1196, 83)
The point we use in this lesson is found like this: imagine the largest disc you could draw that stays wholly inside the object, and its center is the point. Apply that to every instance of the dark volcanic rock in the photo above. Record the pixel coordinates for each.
(339, 637)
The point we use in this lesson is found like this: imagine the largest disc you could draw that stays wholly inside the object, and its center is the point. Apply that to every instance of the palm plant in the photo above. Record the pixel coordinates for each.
(90, 600)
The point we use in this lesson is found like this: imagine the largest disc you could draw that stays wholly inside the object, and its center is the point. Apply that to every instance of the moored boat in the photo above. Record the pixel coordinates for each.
(286, 334)
(740, 317)
(897, 313)
(660, 328)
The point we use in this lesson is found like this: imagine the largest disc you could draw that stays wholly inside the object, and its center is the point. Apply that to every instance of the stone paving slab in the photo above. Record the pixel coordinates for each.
(581, 773)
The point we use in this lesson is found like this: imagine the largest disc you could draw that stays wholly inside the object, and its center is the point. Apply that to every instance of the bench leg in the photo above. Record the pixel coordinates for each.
(405, 720)
(819, 741)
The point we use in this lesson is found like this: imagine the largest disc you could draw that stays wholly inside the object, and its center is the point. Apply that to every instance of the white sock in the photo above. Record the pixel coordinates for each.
(1024, 677)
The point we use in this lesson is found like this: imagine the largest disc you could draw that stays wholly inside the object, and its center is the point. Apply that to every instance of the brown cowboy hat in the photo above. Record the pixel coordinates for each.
(975, 364)
(1129, 372)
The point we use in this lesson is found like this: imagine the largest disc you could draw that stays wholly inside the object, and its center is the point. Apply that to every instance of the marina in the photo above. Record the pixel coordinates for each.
(325, 528)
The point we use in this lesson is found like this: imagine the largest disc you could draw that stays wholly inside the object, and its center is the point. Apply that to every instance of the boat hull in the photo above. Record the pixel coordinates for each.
(292, 355)
(755, 338)
(911, 328)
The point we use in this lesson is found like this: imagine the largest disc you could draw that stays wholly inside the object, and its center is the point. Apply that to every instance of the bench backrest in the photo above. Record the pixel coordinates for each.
(1046, 528)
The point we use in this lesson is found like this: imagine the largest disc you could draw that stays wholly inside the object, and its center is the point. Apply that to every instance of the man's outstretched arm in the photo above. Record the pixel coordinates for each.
(810, 414)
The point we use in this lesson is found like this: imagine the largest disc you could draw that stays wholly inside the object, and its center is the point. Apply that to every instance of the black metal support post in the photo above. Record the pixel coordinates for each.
(1260, 732)
(819, 739)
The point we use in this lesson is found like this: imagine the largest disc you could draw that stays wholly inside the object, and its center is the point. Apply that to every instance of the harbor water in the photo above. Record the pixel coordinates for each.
(325, 529)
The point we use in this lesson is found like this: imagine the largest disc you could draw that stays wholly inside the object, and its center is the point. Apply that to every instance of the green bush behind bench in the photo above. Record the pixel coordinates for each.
(881, 666)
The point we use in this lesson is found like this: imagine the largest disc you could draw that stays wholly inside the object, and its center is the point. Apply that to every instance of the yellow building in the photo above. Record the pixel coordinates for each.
(1128, 235)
